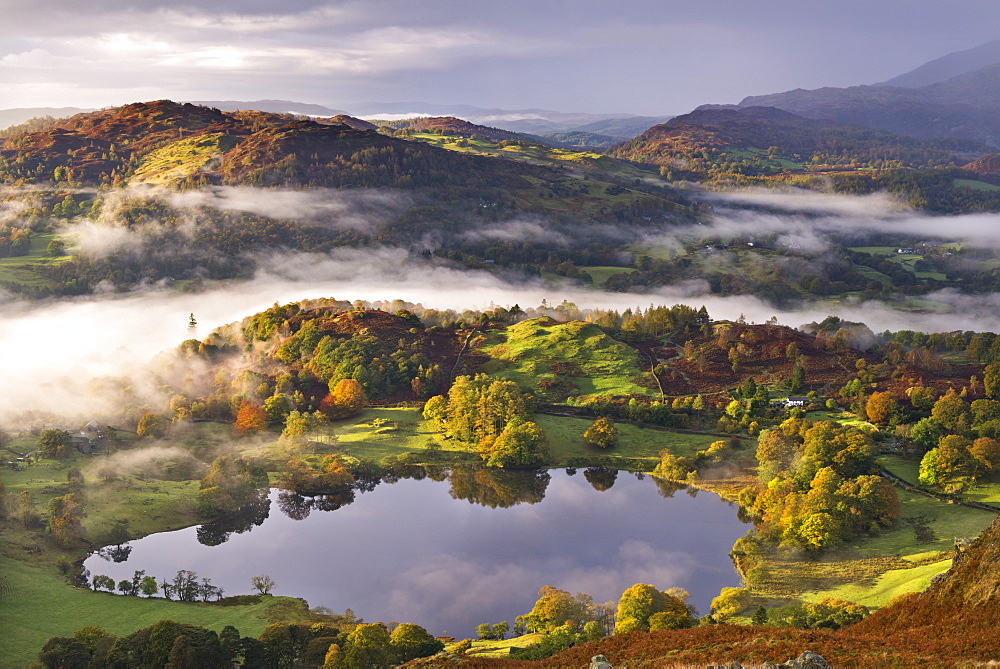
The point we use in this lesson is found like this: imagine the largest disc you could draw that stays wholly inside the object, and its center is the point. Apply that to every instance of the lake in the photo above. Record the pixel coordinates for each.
(474, 547)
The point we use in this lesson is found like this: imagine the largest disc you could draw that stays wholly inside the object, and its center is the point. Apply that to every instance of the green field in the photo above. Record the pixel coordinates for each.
(572, 361)
(887, 587)
(976, 185)
(502, 648)
(40, 605)
(23, 269)
(566, 441)
(600, 274)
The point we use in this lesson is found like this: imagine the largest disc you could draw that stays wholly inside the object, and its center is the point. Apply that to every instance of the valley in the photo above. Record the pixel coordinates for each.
(298, 385)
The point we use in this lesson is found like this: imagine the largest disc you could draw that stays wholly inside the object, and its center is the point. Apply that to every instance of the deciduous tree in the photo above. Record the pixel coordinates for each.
(602, 433)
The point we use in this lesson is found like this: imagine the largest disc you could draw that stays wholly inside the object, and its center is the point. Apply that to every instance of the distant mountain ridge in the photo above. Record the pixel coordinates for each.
(9, 117)
(954, 102)
(272, 106)
(768, 140)
(948, 66)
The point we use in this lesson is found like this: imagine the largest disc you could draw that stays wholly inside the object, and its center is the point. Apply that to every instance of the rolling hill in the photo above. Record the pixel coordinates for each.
(781, 140)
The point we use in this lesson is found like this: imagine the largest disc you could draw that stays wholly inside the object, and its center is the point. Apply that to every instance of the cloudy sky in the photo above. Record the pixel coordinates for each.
(636, 56)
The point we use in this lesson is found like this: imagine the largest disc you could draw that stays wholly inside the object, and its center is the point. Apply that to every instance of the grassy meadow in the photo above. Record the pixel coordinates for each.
(39, 605)
(562, 359)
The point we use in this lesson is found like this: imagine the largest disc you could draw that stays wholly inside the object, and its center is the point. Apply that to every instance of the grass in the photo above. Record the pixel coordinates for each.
(40, 605)
(24, 269)
(404, 432)
(566, 441)
(600, 274)
(887, 586)
(975, 185)
(574, 358)
(359, 438)
(503, 648)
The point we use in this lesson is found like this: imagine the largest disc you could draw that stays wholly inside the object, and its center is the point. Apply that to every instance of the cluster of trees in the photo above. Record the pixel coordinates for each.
(567, 619)
(681, 468)
(491, 415)
(819, 485)
(828, 613)
(14, 241)
(930, 189)
(231, 484)
(959, 440)
(331, 477)
(184, 587)
(354, 645)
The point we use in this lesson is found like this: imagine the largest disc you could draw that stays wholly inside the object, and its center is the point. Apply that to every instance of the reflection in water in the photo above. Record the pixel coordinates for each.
(409, 551)
(601, 478)
(498, 488)
(248, 517)
(486, 486)
(117, 553)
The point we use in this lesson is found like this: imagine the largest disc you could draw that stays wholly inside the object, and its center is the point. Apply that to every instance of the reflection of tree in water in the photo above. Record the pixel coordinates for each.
(298, 507)
(249, 516)
(495, 487)
(294, 505)
(600, 478)
(667, 487)
(115, 553)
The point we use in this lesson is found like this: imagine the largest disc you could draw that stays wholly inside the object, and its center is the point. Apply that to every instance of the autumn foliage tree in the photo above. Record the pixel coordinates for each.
(347, 398)
(150, 425)
(602, 433)
(642, 601)
(65, 519)
(881, 408)
(250, 419)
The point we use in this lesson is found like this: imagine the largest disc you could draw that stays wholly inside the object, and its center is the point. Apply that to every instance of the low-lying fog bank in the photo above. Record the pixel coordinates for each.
(49, 351)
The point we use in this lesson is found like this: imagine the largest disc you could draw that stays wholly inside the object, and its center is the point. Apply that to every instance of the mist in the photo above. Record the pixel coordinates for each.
(57, 355)
(51, 352)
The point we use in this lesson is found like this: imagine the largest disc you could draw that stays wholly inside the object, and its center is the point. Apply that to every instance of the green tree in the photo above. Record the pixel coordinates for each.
(55, 444)
(182, 656)
(63, 653)
(56, 248)
(602, 433)
(926, 433)
(277, 407)
(555, 608)
(639, 602)
(797, 380)
(521, 444)
(991, 381)
(281, 644)
(26, 510)
(263, 584)
(369, 645)
(412, 641)
(952, 413)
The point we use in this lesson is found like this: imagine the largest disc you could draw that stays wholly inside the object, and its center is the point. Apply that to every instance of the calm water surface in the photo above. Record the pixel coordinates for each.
(409, 551)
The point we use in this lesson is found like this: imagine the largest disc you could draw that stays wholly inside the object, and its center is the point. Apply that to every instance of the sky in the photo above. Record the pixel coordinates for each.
(652, 57)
